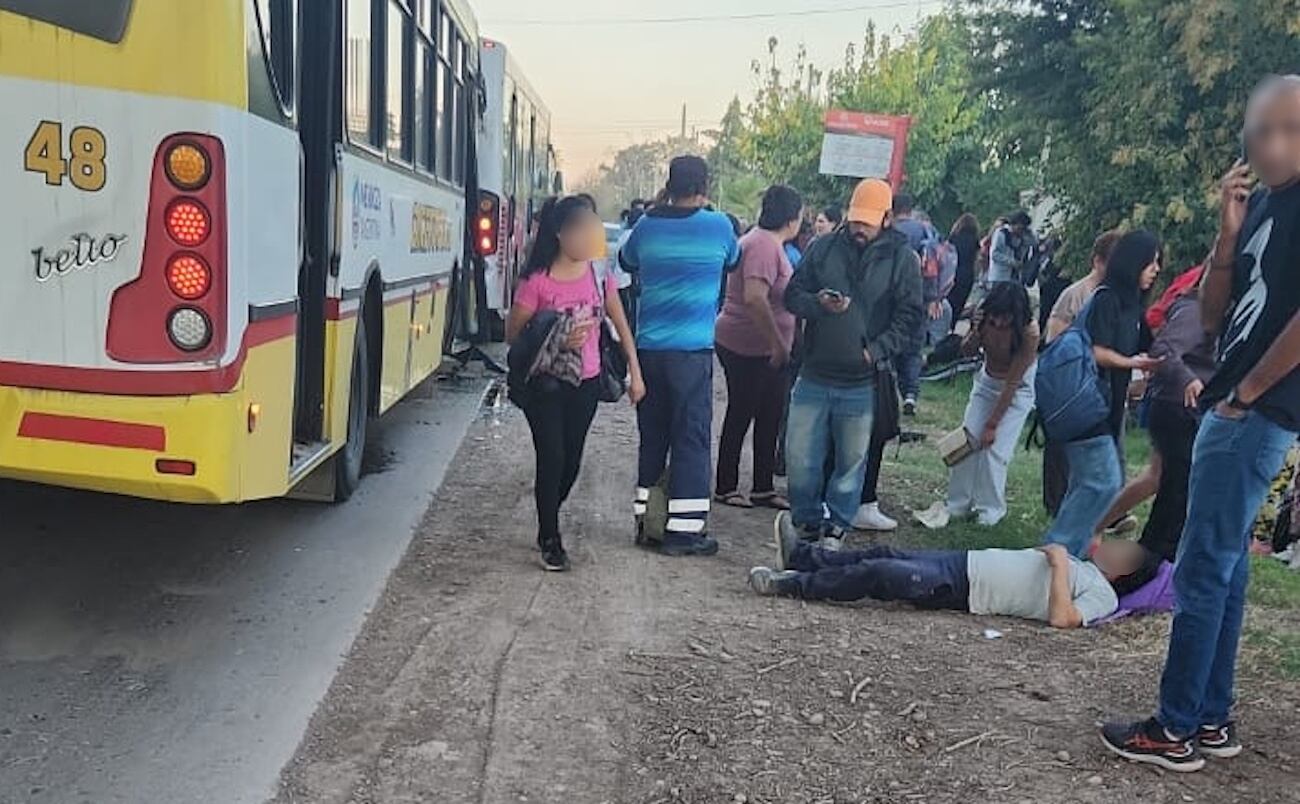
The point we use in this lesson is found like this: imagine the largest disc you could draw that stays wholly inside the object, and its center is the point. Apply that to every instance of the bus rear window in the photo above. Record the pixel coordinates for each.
(102, 19)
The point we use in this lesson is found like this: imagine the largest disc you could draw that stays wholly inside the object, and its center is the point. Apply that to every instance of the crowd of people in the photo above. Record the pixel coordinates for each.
(820, 329)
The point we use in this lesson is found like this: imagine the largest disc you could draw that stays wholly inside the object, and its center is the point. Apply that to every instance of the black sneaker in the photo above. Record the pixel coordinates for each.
(1219, 742)
(554, 559)
(909, 406)
(771, 583)
(687, 544)
(1147, 741)
(786, 536)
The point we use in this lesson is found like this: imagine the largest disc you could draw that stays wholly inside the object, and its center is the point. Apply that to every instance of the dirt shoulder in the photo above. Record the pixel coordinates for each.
(637, 678)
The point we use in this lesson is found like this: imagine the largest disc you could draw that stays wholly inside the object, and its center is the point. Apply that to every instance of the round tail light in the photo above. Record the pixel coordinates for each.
(188, 222)
(189, 329)
(187, 166)
(188, 277)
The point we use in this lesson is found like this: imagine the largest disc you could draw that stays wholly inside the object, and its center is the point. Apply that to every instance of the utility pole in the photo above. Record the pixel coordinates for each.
(683, 121)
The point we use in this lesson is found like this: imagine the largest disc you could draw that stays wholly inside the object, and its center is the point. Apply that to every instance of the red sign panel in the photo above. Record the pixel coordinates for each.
(865, 145)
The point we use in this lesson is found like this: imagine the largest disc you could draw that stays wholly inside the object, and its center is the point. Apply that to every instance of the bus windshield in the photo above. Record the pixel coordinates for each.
(102, 19)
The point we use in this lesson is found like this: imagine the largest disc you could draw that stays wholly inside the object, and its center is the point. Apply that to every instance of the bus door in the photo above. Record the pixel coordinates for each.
(320, 121)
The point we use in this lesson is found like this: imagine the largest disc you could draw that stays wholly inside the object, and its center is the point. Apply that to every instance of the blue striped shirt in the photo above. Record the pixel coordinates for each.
(680, 256)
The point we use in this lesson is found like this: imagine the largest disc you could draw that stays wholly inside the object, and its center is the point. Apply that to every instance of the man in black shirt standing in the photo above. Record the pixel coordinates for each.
(1250, 299)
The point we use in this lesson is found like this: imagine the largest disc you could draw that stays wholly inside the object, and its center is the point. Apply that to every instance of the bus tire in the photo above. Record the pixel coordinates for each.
(347, 464)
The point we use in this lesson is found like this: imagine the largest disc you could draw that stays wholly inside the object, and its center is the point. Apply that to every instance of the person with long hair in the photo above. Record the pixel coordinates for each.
(754, 335)
(828, 220)
(1005, 333)
(560, 278)
(1114, 321)
(965, 238)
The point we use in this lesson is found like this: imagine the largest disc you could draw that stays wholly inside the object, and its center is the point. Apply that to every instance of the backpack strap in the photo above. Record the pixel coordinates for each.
(599, 282)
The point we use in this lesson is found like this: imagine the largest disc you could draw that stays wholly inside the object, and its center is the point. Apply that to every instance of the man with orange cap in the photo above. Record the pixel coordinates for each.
(859, 290)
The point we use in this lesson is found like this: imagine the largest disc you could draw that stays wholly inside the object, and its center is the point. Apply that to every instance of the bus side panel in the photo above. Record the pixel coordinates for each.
(266, 428)
(402, 231)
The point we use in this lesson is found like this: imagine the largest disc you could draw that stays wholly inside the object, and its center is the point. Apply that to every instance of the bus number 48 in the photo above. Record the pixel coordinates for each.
(84, 166)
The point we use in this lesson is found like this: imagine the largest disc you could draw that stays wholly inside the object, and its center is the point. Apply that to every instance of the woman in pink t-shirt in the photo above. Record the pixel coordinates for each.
(753, 336)
(560, 276)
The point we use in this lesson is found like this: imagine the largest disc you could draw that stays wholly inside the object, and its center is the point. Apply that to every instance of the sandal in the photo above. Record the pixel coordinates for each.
(771, 499)
(734, 499)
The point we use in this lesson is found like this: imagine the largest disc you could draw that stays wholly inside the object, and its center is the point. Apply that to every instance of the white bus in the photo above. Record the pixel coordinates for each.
(234, 231)
(516, 172)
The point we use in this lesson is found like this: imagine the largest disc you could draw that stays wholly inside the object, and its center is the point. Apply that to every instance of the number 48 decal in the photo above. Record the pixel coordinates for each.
(84, 166)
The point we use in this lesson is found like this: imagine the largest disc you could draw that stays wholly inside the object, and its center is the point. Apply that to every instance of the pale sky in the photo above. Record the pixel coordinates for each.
(608, 86)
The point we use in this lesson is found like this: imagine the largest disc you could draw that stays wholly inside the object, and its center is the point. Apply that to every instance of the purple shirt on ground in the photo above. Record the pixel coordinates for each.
(1154, 597)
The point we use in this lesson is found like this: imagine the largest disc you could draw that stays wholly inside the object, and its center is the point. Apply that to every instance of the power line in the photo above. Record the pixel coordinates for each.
(611, 21)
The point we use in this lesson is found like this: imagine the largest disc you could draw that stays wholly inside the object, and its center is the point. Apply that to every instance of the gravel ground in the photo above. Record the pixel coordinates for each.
(637, 678)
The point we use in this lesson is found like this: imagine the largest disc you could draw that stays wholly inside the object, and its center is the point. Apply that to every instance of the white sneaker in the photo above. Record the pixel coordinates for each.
(870, 517)
(936, 517)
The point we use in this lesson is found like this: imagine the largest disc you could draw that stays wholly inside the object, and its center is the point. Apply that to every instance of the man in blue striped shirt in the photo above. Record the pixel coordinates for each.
(680, 250)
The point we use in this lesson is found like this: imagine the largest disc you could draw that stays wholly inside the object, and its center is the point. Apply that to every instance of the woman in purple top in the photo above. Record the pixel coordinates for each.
(754, 335)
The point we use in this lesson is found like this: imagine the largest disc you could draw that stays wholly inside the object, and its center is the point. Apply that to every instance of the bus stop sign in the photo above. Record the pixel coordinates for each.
(865, 146)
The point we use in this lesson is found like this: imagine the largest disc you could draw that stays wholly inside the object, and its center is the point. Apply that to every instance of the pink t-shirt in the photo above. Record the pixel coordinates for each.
(762, 257)
(577, 298)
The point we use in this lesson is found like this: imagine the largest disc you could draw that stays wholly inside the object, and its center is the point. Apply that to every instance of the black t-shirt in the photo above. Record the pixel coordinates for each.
(1118, 327)
(1265, 297)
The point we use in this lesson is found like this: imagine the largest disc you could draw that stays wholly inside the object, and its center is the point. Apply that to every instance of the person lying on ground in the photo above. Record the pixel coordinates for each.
(1046, 584)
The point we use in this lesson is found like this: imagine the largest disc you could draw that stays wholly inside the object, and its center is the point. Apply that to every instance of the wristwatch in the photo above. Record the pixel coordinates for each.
(1233, 401)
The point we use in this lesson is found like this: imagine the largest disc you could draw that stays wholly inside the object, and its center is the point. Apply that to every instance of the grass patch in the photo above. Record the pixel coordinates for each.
(1274, 585)
(1277, 649)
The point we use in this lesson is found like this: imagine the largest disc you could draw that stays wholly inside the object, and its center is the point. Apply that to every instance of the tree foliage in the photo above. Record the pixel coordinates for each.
(1134, 105)
(952, 165)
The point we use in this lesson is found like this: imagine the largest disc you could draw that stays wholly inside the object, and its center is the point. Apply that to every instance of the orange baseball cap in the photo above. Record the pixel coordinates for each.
(872, 199)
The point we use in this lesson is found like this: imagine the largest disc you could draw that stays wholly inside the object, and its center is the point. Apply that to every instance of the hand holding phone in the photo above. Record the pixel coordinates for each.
(833, 300)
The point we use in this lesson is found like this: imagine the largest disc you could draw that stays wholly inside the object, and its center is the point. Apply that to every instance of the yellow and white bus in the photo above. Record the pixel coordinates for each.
(231, 231)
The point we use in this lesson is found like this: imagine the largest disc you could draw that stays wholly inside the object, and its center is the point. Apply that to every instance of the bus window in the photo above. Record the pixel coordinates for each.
(398, 116)
(422, 101)
(441, 80)
(360, 119)
(278, 21)
(462, 106)
(102, 19)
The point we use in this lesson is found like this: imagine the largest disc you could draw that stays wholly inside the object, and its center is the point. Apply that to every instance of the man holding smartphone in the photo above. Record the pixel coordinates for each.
(1250, 298)
(859, 292)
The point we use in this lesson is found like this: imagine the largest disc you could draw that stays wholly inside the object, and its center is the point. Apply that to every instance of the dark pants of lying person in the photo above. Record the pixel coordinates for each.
(932, 579)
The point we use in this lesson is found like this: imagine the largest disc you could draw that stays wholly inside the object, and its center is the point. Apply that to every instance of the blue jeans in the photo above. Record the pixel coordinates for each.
(930, 579)
(1095, 480)
(822, 415)
(1233, 464)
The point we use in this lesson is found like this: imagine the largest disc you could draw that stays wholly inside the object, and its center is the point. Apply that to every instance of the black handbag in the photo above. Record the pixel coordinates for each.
(613, 363)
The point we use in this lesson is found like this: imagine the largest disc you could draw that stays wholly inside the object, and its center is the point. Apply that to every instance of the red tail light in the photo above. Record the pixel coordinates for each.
(486, 232)
(175, 311)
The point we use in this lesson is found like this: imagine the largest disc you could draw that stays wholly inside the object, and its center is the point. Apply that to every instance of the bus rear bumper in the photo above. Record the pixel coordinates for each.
(138, 446)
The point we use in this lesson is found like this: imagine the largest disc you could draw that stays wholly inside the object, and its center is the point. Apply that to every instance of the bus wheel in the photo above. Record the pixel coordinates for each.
(347, 464)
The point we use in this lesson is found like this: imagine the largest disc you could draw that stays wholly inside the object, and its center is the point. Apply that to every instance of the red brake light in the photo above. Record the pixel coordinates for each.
(188, 222)
(171, 467)
(188, 277)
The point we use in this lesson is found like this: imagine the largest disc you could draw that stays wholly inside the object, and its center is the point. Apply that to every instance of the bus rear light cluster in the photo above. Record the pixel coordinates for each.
(486, 231)
(176, 310)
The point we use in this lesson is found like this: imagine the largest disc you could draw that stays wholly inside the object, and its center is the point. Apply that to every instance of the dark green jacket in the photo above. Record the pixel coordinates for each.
(885, 312)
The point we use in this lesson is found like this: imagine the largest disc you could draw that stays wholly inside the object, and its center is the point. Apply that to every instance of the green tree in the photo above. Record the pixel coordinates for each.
(1134, 105)
(953, 165)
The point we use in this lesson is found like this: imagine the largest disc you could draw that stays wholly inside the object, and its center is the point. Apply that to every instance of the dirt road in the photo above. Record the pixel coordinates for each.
(642, 679)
